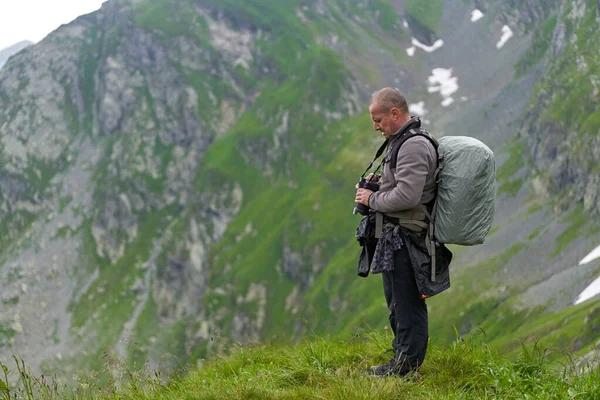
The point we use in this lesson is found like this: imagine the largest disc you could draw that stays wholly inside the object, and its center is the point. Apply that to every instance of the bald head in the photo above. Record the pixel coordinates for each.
(387, 98)
(389, 111)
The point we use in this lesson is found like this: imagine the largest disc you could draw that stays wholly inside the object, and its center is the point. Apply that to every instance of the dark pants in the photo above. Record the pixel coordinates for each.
(408, 313)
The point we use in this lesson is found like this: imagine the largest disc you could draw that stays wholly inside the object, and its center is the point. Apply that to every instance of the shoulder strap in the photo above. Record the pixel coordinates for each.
(407, 135)
(379, 153)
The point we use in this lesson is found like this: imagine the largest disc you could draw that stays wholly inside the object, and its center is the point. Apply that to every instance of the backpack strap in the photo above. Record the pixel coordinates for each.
(430, 240)
(396, 144)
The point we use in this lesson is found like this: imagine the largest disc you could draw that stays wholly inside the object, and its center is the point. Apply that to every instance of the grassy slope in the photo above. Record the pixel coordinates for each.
(335, 368)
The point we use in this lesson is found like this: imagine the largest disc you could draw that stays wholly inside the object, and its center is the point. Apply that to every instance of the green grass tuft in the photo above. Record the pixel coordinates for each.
(334, 368)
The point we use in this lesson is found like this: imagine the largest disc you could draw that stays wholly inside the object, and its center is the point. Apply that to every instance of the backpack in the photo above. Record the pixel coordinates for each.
(464, 206)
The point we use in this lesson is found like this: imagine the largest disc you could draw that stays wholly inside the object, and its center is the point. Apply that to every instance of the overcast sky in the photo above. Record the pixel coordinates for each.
(33, 19)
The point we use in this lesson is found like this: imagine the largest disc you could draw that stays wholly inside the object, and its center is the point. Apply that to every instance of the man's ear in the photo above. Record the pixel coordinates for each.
(395, 113)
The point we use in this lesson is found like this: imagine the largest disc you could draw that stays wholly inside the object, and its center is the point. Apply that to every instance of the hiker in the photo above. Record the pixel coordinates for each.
(398, 219)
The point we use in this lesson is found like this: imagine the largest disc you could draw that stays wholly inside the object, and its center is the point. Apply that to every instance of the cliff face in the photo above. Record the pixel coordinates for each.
(563, 121)
(178, 175)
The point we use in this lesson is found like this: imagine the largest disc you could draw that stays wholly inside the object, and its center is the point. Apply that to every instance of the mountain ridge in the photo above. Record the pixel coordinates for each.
(8, 52)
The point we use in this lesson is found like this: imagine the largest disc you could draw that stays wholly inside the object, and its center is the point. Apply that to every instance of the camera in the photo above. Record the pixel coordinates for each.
(370, 183)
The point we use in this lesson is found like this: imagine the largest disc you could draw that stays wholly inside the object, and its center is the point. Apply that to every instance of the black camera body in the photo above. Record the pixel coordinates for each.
(364, 183)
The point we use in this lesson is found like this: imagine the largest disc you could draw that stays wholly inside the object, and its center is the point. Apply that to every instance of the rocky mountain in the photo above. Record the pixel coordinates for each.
(178, 175)
(6, 53)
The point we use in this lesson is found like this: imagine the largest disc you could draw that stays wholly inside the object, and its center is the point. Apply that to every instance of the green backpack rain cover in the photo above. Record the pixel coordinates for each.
(466, 194)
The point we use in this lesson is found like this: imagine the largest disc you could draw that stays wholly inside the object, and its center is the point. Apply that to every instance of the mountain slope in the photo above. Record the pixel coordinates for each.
(183, 171)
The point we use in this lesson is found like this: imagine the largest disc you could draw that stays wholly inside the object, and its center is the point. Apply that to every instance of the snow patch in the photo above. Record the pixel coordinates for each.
(476, 15)
(405, 24)
(418, 108)
(589, 292)
(442, 81)
(591, 257)
(447, 101)
(429, 49)
(507, 33)
(411, 51)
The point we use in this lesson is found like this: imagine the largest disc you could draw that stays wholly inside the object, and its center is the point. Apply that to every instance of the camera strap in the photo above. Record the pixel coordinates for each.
(379, 153)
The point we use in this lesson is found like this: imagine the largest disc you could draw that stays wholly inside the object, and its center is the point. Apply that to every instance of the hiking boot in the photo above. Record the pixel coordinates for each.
(390, 368)
(394, 368)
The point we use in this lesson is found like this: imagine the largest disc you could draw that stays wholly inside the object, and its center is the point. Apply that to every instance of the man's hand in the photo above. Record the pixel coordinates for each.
(362, 196)
(371, 178)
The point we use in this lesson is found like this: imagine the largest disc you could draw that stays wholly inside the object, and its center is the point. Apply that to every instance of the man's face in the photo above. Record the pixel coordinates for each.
(384, 121)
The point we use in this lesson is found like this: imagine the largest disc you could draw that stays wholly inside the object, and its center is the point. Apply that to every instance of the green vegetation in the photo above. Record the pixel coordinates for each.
(564, 103)
(13, 225)
(511, 188)
(516, 161)
(476, 293)
(173, 19)
(380, 11)
(565, 331)
(271, 15)
(427, 12)
(109, 301)
(6, 333)
(577, 220)
(539, 48)
(570, 75)
(332, 369)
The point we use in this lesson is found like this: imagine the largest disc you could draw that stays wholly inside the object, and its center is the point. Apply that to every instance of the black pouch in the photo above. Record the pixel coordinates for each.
(421, 262)
(365, 236)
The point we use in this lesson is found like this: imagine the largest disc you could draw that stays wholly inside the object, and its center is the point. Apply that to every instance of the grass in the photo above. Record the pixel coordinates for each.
(539, 48)
(473, 291)
(427, 12)
(516, 161)
(328, 368)
(577, 219)
(564, 331)
(511, 188)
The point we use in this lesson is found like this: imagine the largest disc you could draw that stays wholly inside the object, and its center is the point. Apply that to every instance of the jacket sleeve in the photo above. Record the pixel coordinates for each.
(412, 168)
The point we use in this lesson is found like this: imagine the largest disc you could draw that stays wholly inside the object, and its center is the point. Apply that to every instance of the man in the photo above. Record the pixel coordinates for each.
(404, 188)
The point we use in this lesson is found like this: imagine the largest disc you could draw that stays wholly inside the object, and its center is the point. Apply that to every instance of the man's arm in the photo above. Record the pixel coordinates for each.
(412, 168)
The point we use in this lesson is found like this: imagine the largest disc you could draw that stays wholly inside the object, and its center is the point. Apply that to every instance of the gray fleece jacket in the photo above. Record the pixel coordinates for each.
(411, 181)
